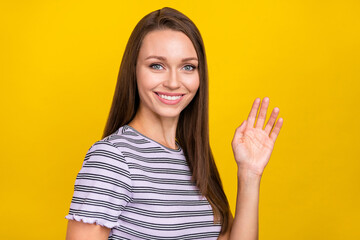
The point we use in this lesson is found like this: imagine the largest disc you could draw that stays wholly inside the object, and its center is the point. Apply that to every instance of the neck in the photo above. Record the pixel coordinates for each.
(160, 129)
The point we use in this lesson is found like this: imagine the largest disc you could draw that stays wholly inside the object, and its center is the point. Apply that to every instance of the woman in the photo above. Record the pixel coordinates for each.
(153, 175)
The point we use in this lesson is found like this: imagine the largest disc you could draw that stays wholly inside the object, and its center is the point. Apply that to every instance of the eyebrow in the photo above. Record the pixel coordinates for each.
(164, 58)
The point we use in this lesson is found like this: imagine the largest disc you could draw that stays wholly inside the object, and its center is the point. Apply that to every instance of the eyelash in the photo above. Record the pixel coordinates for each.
(154, 64)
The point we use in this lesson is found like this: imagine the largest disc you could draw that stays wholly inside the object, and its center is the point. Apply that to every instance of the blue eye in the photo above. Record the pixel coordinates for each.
(156, 66)
(189, 68)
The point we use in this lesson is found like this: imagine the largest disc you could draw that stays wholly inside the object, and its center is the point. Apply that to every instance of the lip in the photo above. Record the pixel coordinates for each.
(170, 94)
(169, 102)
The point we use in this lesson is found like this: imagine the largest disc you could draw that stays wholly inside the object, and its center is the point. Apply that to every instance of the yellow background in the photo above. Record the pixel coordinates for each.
(59, 62)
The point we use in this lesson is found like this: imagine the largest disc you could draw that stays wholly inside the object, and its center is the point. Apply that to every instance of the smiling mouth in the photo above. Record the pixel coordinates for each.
(170, 96)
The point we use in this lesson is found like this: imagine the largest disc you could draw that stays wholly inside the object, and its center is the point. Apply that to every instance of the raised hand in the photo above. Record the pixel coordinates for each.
(252, 145)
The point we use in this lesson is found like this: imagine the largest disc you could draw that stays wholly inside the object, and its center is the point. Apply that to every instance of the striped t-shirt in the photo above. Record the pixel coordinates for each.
(141, 190)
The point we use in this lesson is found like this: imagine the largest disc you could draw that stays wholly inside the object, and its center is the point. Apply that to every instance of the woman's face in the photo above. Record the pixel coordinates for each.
(167, 73)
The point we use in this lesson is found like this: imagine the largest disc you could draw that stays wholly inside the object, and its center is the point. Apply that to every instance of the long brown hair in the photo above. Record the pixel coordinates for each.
(192, 131)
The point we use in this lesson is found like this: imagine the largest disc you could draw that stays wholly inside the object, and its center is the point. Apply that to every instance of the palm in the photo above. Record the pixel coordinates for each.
(252, 146)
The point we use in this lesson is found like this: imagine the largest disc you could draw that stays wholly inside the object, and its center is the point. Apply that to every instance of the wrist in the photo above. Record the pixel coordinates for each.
(248, 175)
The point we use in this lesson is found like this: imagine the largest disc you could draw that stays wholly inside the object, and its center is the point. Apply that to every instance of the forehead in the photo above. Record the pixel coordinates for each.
(167, 43)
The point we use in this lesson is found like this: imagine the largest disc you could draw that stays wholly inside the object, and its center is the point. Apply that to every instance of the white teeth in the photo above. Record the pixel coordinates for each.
(170, 97)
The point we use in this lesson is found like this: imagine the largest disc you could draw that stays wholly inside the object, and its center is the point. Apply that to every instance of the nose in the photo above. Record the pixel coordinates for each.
(173, 80)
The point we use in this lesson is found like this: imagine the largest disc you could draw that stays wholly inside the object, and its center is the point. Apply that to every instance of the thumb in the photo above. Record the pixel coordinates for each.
(240, 130)
(243, 126)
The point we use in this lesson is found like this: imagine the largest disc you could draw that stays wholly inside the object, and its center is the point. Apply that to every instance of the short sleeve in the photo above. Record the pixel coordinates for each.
(102, 187)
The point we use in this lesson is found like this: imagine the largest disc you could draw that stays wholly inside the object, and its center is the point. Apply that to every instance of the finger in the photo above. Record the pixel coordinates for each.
(239, 133)
(240, 130)
(253, 112)
(276, 129)
(262, 114)
(271, 121)
(242, 127)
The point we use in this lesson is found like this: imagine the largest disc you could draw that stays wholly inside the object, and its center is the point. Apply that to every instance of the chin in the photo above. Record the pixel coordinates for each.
(168, 113)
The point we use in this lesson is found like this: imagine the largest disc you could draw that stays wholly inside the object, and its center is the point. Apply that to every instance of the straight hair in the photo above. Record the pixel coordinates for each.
(192, 131)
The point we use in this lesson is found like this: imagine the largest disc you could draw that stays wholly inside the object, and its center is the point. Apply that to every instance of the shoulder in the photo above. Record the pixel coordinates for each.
(105, 149)
(105, 163)
(124, 137)
(109, 152)
(116, 142)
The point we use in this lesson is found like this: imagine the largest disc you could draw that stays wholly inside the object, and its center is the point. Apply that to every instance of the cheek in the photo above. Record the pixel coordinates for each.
(141, 83)
(145, 80)
(193, 83)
